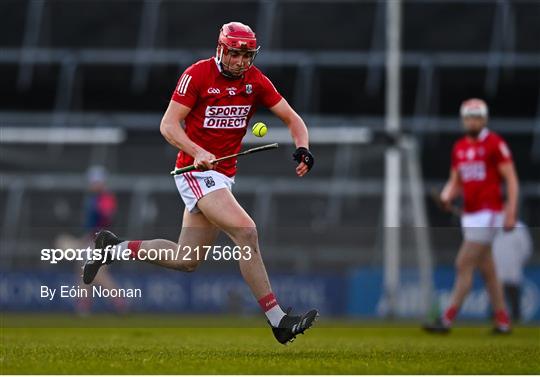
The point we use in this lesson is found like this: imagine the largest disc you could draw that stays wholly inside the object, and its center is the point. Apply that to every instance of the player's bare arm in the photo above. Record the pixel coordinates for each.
(176, 136)
(452, 189)
(297, 128)
(508, 172)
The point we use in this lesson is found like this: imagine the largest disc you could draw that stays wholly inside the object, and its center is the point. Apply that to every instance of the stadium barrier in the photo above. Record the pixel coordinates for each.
(357, 294)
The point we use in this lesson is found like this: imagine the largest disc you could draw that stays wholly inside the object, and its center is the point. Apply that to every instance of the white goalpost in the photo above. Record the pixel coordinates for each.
(401, 149)
(392, 179)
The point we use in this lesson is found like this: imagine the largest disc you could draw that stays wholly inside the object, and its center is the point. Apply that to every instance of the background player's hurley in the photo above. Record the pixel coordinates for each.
(216, 98)
(444, 206)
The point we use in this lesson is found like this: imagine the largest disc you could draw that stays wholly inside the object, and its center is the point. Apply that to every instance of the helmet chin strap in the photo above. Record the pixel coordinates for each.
(219, 55)
(219, 61)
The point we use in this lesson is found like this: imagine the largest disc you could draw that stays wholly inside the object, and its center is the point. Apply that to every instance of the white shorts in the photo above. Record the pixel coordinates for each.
(195, 184)
(481, 226)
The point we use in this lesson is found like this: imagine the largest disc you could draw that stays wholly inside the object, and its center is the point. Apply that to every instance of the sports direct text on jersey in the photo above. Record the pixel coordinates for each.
(226, 116)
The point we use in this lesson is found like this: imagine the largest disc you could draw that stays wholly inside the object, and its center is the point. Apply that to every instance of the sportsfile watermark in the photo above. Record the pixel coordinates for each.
(182, 252)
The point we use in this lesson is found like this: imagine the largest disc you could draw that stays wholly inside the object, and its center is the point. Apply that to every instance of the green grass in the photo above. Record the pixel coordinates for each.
(138, 346)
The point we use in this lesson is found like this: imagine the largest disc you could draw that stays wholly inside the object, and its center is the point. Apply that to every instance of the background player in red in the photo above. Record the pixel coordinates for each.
(480, 161)
(215, 99)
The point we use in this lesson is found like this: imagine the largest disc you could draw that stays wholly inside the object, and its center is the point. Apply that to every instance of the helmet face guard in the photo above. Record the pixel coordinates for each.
(235, 37)
(223, 57)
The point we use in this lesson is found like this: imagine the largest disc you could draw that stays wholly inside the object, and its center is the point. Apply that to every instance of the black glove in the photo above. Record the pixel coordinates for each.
(304, 155)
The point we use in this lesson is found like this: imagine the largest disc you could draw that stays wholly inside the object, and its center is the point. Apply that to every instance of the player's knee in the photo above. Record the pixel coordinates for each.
(462, 265)
(246, 234)
(487, 273)
(244, 230)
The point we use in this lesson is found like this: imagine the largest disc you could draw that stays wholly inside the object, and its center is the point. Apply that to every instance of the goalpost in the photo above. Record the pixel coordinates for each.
(401, 149)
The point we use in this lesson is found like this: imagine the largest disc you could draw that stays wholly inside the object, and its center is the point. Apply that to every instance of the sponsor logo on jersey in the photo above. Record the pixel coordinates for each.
(472, 171)
(214, 91)
(232, 91)
(231, 117)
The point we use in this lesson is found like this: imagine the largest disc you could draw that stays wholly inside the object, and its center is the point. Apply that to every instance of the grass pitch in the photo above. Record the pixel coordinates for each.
(58, 344)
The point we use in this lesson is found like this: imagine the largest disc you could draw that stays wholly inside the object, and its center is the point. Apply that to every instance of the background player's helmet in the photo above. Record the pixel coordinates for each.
(474, 107)
(96, 176)
(239, 37)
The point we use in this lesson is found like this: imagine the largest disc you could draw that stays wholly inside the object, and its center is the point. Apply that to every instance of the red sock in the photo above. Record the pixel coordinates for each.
(271, 309)
(134, 246)
(449, 315)
(268, 302)
(502, 319)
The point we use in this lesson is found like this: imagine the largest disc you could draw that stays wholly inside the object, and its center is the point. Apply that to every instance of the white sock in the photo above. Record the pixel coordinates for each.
(122, 246)
(275, 315)
(119, 248)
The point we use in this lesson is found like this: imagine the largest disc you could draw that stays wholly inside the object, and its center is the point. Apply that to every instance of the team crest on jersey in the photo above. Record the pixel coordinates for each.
(209, 182)
(249, 88)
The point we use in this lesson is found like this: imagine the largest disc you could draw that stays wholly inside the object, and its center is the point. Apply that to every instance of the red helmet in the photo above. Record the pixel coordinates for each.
(236, 35)
(239, 37)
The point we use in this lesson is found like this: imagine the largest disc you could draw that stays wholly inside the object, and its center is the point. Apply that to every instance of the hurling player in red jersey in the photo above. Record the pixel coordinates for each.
(207, 118)
(481, 161)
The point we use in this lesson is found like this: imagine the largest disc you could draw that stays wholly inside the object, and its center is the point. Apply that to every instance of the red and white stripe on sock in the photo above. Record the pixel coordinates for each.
(449, 315)
(271, 309)
(502, 319)
(133, 246)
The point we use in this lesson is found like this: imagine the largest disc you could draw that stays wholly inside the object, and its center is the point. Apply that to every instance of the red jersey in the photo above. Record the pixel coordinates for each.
(477, 162)
(220, 109)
